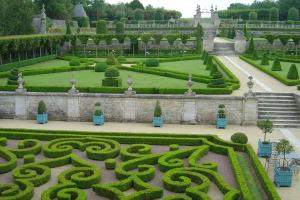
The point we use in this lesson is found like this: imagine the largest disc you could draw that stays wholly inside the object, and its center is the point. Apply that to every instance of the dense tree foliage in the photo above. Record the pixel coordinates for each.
(293, 14)
(274, 14)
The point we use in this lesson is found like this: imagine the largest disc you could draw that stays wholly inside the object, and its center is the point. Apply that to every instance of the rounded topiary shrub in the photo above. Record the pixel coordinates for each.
(111, 60)
(100, 67)
(174, 147)
(152, 62)
(276, 65)
(293, 73)
(74, 62)
(240, 138)
(121, 59)
(29, 158)
(13, 77)
(110, 164)
(112, 72)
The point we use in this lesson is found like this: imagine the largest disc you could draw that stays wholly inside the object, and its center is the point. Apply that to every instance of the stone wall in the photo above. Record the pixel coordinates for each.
(120, 108)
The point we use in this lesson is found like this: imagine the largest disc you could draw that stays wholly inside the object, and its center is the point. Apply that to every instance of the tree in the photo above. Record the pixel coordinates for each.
(209, 63)
(159, 14)
(146, 38)
(68, 31)
(276, 65)
(251, 47)
(274, 14)
(270, 38)
(293, 73)
(136, 4)
(285, 5)
(120, 28)
(139, 14)
(266, 126)
(13, 77)
(171, 40)
(245, 31)
(253, 16)
(157, 39)
(283, 147)
(217, 81)
(56, 9)
(293, 14)
(265, 60)
(101, 27)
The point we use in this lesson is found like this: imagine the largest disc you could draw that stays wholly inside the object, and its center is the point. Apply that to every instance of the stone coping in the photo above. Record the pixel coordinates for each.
(111, 95)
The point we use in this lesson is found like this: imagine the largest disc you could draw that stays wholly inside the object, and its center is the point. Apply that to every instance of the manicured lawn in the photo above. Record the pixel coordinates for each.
(186, 66)
(47, 64)
(284, 65)
(89, 78)
(128, 59)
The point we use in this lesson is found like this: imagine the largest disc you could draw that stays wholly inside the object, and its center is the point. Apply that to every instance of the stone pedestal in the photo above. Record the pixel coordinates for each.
(240, 43)
(189, 112)
(73, 108)
(20, 107)
(129, 110)
(250, 113)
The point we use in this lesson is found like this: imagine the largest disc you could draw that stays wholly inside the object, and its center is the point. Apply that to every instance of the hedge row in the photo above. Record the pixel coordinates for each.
(96, 149)
(117, 90)
(10, 158)
(262, 175)
(64, 191)
(14, 65)
(197, 155)
(271, 73)
(144, 191)
(20, 190)
(135, 151)
(25, 147)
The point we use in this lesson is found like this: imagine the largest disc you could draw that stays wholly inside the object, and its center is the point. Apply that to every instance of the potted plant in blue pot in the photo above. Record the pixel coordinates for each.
(283, 174)
(265, 147)
(98, 117)
(157, 120)
(221, 121)
(42, 115)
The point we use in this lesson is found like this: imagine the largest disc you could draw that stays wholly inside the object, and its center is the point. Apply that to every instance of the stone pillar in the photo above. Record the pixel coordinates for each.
(240, 43)
(129, 109)
(20, 106)
(73, 108)
(189, 112)
(250, 113)
(208, 43)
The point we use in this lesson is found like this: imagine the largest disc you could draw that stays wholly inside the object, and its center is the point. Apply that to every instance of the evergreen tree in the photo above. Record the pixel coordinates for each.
(251, 47)
(254, 55)
(13, 77)
(136, 4)
(233, 33)
(245, 31)
(56, 9)
(293, 14)
(217, 81)
(274, 14)
(265, 60)
(214, 69)
(253, 16)
(120, 28)
(206, 59)
(293, 73)
(209, 63)
(276, 65)
(68, 31)
(139, 14)
(101, 27)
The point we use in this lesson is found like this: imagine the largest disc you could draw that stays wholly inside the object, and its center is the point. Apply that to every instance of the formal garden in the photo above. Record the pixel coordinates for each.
(84, 165)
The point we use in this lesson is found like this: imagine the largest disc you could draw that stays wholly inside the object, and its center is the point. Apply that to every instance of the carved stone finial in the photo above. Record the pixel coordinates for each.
(20, 83)
(73, 89)
(190, 85)
(130, 90)
(43, 13)
(250, 85)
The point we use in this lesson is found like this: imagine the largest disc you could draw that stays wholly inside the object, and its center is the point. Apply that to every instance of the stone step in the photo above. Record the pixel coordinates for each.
(279, 117)
(278, 105)
(282, 113)
(284, 121)
(224, 53)
(283, 125)
(277, 97)
(259, 94)
(277, 101)
(279, 109)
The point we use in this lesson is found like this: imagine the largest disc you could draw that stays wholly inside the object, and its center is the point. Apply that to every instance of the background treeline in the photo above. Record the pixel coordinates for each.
(16, 15)
(266, 10)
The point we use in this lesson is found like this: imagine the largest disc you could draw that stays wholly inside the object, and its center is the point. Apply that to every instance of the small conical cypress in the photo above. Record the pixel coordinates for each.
(209, 63)
(265, 60)
(251, 47)
(217, 81)
(203, 55)
(206, 59)
(214, 69)
(293, 73)
(254, 55)
(276, 65)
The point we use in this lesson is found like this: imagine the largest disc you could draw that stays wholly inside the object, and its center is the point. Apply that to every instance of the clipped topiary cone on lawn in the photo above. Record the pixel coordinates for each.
(276, 65)
(293, 73)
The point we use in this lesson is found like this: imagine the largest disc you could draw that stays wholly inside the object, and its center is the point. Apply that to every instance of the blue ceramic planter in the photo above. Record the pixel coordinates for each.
(98, 120)
(157, 121)
(283, 178)
(264, 149)
(42, 118)
(221, 122)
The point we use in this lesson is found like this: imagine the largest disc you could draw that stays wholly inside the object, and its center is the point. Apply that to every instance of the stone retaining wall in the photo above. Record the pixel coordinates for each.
(120, 108)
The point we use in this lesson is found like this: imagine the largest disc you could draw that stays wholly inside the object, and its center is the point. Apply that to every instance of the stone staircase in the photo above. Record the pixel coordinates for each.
(280, 108)
(224, 49)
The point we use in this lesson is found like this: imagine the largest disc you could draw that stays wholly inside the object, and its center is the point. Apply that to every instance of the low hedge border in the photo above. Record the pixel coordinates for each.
(135, 151)
(64, 191)
(273, 74)
(23, 63)
(10, 158)
(29, 146)
(20, 190)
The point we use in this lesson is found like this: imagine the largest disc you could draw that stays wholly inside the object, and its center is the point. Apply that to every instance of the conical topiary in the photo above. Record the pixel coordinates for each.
(293, 73)
(254, 55)
(265, 60)
(13, 77)
(217, 81)
(157, 110)
(276, 65)
(203, 55)
(251, 47)
(214, 69)
(42, 109)
(206, 59)
(209, 63)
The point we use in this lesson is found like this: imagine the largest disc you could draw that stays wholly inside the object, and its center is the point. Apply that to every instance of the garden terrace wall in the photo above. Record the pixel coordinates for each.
(121, 108)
